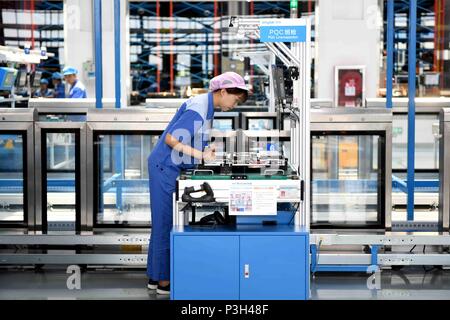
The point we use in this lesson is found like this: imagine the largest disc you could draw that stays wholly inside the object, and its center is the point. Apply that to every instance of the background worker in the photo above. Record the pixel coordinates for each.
(77, 89)
(43, 91)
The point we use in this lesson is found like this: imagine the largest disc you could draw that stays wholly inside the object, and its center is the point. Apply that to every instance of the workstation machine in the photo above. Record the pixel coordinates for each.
(427, 144)
(255, 197)
(17, 81)
(17, 169)
(69, 103)
(7, 83)
(80, 194)
(378, 239)
(351, 169)
(74, 186)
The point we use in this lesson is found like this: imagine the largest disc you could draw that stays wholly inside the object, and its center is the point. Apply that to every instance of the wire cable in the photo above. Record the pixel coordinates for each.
(424, 267)
(293, 213)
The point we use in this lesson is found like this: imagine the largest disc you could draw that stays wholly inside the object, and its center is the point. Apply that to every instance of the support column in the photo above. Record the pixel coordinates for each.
(78, 39)
(98, 34)
(411, 106)
(348, 33)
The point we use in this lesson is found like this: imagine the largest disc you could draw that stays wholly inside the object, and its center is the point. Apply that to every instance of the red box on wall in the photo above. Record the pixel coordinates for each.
(349, 86)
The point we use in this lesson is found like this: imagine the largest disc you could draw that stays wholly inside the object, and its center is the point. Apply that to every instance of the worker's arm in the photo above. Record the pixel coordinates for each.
(172, 142)
(187, 124)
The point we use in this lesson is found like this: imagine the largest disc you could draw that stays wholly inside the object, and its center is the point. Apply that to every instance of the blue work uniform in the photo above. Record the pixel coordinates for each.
(78, 90)
(190, 125)
(47, 93)
(60, 91)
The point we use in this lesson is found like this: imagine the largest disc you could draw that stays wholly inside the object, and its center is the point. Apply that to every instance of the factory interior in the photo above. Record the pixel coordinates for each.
(330, 180)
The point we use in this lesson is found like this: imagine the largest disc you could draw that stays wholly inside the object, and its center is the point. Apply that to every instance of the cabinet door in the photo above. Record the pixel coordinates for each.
(205, 267)
(273, 267)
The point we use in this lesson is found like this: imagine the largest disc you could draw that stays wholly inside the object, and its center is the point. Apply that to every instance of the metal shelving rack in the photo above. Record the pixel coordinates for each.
(50, 32)
(202, 39)
(428, 36)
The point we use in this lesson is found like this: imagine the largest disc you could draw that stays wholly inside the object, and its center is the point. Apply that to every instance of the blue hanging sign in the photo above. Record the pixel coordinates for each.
(282, 30)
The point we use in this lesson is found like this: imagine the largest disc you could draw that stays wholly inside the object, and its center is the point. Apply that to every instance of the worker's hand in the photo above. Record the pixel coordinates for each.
(209, 154)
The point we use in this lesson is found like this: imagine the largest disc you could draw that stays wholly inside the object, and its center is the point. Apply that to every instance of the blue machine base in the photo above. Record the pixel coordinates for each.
(248, 262)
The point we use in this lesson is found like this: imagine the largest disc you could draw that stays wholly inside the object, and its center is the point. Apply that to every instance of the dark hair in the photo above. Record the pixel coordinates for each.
(243, 94)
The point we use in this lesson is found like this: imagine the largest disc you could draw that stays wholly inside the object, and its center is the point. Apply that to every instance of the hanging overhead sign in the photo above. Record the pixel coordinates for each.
(282, 30)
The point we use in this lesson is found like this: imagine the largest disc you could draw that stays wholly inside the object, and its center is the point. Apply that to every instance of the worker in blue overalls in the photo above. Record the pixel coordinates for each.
(182, 146)
(60, 90)
(77, 89)
(43, 91)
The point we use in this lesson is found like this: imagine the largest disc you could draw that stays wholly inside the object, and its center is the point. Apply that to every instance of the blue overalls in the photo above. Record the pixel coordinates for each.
(78, 90)
(47, 93)
(190, 125)
(60, 91)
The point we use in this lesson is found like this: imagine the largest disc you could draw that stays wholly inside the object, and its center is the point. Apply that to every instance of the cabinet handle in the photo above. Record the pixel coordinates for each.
(246, 271)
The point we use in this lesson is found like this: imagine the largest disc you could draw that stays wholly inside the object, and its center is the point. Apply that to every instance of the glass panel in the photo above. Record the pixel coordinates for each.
(223, 124)
(260, 124)
(61, 195)
(60, 151)
(124, 188)
(11, 178)
(345, 179)
(427, 143)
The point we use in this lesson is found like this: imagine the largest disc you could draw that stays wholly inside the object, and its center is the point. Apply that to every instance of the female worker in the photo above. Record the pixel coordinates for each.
(181, 146)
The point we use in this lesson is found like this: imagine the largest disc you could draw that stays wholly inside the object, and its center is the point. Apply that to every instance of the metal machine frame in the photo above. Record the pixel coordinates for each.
(116, 120)
(444, 170)
(265, 60)
(79, 128)
(245, 135)
(67, 103)
(298, 56)
(426, 190)
(348, 120)
(31, 234)
(342, 250)
(64, 111)
(430, 103)
(22, 120)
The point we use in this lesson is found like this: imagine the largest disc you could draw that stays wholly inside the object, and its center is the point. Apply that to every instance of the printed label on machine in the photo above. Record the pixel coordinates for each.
(247, 198)
(289, 192)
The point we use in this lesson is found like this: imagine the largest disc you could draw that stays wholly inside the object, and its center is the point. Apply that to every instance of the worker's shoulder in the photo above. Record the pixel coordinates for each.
(79, 85)
(198, 104)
